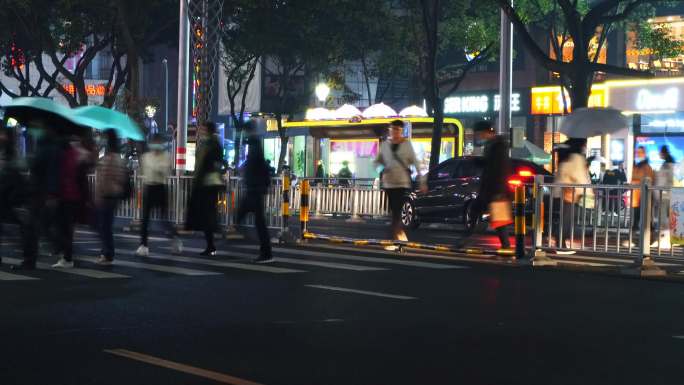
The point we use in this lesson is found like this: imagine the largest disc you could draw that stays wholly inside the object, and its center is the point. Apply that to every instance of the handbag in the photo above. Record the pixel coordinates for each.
(500, 214)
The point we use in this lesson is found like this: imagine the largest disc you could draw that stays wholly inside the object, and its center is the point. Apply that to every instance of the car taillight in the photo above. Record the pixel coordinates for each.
(514, 182)
(525, 173)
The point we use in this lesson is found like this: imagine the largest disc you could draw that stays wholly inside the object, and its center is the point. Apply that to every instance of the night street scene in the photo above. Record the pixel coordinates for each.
(342, 192)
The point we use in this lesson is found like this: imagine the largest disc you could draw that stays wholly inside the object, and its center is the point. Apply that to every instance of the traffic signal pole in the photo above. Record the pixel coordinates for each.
(183, 66)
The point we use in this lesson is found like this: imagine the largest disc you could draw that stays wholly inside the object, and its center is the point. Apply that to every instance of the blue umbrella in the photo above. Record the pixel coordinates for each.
(102, 118)
(56, 115)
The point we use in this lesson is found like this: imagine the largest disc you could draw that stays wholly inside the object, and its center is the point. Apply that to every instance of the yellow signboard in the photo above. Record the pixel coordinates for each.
(549, 101)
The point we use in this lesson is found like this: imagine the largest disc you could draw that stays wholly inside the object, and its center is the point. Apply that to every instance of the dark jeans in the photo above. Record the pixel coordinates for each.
(105, 219)
(32, 229)
(253, 202)
(396, 198)
(154, 196)
(66, 219)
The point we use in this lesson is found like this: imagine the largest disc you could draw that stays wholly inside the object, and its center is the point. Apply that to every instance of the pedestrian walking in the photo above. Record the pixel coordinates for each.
(156, 169)
(257, 180)
(73, 195)
(641, 171)
(207, 183)
(344, 175)
(493, 195)
(572, 169)
(664, 180)
(320, 174)
(111, 185)
(42, 191)
(12, 183)
(396, 156)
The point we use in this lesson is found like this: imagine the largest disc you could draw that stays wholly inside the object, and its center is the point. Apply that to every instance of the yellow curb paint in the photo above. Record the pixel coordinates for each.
(199, 372)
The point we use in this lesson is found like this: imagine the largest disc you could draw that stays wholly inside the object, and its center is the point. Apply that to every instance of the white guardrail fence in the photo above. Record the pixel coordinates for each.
(351, 198)
(627, 220)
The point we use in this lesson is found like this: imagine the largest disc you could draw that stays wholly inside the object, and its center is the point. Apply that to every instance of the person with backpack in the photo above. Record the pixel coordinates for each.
(156, 168)
(112, 184)
(395, 156)
(206, 185)
(257, 179)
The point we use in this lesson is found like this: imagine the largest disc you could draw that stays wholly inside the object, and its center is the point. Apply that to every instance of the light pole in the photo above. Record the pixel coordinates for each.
(322, 92)
(183, 66)
(165, 63)
(505, 74)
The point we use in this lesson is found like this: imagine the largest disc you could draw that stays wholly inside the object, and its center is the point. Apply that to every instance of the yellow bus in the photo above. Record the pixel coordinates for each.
(355, 141)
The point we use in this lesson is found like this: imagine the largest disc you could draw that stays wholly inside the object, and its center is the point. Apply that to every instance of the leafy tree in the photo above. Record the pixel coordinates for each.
(582, 25)
(657, 41)
(451, 38)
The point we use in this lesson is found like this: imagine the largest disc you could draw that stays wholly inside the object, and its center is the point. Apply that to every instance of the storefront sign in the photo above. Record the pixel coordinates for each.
(482, 104)
(549, 101)
(662, 123)
(647, 96)
(677, 216)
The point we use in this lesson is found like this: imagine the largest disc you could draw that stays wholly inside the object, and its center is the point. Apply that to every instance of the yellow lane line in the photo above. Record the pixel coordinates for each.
(199, 372)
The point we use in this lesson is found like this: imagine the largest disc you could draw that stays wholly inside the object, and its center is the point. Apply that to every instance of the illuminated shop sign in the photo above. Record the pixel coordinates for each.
(91, 89)
(479, 103)
(662, 124)
(549, 101)
(647, 96)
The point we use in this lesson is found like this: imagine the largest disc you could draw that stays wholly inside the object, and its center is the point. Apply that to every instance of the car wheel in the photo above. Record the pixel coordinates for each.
(408, 215)
(471, 224)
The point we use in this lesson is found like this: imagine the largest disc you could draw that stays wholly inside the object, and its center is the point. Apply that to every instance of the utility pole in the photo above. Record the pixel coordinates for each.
(165, 62)
(183, 64)
(505, 75)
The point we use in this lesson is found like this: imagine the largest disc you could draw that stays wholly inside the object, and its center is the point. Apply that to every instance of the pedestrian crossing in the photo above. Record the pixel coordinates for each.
(238, 257)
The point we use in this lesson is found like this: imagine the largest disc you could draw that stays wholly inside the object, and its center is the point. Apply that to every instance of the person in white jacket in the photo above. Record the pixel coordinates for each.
(396, 156)
(156, 168)
(572, 169)
(664, 180)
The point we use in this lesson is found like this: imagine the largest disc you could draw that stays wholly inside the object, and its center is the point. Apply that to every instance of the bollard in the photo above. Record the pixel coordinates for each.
(304, 207)
(286, 201)
(520, 222)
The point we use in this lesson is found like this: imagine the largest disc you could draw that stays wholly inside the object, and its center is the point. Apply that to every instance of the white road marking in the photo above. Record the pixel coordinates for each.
(393, 261)
(364, 292)
(148, 266)
(15, 277)
(331, 265)
(209, 262)
(199, 372)
(678, 337)
(99, 274)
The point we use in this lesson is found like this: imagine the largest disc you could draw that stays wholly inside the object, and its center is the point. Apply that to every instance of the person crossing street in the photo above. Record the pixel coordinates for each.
(156, 168)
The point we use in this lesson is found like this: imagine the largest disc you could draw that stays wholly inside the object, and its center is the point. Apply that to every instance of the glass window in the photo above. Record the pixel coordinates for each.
(443, 171)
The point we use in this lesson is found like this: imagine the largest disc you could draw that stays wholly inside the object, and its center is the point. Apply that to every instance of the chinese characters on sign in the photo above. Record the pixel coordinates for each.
(91, 89)
(549, 101)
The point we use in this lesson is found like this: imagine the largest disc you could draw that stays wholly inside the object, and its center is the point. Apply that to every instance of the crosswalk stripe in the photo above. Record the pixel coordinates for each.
(75, 271)
(209, 262)
(15, 277)
(356, 291)
(149, 266)
(393, 261)
(331, 265)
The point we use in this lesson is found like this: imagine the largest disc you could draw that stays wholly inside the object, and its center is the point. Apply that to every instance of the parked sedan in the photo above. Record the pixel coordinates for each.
(453, 187)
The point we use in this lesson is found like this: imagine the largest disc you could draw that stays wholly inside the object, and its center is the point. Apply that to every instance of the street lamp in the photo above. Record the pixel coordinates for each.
(322, 91)
(165, 63)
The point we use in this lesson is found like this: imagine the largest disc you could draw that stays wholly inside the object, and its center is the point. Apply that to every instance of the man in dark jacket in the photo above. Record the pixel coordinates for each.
(257, 179)
(493, 182)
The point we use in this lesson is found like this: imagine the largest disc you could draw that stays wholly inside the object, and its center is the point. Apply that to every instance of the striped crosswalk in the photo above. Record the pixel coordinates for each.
(238, 258)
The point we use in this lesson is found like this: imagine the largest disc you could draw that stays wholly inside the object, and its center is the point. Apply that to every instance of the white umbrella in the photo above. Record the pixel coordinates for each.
(413, 111)
(347, 111)
(319, 113)
(588, 122)
(380, 110)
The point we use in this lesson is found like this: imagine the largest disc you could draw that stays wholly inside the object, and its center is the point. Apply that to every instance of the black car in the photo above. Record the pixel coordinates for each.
(452, 188)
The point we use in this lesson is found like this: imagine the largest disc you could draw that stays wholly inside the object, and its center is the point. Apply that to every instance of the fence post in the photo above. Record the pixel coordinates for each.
(304, 208)
(285, 236)
(355, 206)
(539, 257)
(645, 266)
(520, 222)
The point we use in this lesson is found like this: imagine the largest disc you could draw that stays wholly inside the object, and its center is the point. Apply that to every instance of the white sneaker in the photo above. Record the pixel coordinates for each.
(176, 246)
(103, 261)
(63, 264)
(143, 251)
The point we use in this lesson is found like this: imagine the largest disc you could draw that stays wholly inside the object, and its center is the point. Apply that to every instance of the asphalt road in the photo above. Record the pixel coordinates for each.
(331, 315)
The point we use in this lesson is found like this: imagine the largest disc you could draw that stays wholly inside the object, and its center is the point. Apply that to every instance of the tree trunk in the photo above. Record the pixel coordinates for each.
(283, 142)
(581, 81)
(436, 145)
(133, 107)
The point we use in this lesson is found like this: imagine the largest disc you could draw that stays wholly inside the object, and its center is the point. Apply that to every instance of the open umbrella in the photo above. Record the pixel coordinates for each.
(588, 122)
(57, 116)
(529, 151)
(104, 118)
